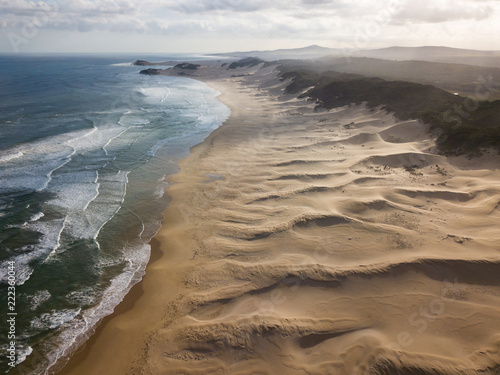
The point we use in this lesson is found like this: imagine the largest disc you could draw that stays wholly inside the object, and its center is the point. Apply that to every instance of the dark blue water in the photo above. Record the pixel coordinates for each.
(86, 148)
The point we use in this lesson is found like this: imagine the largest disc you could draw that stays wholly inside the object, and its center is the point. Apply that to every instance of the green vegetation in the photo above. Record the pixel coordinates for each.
(187, 66)
(302, 80)
(465, 125)
(151, 72)
(464, 79)
(246, 62)
(141, 62)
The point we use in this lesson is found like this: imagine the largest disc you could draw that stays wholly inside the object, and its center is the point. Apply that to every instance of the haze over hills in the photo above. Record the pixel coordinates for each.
(456, 70)
(309, 52)
(461, 78)
(425, 53)
(435, 54)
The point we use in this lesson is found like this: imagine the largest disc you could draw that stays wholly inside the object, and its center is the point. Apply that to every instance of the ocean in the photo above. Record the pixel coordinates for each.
(87, 145)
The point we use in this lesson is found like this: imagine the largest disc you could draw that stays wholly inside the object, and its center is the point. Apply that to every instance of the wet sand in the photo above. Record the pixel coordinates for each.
(305, 242)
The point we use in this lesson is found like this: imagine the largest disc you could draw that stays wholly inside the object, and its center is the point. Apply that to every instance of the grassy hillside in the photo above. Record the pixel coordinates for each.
(466, 126)
(425, 53)
(435, 54)
(466, 80)
(302, 80)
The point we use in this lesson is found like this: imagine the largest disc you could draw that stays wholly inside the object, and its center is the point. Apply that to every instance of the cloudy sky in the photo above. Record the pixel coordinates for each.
(229, 25)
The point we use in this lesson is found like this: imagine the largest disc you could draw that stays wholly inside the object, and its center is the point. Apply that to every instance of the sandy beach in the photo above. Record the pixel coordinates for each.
(313, 242)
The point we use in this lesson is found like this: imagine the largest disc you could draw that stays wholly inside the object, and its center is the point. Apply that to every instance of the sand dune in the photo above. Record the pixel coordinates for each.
(326, 243)
(336, 243)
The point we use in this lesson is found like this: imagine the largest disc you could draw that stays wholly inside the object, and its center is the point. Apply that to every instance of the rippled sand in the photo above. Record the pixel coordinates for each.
(303, 242)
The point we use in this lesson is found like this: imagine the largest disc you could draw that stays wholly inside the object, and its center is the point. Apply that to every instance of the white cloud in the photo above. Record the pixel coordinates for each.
(104, 13)
(333, 21)
(436, 11)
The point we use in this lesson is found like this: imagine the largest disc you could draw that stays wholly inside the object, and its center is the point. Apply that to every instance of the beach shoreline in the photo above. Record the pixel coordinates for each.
(83, 360)
(300, 241)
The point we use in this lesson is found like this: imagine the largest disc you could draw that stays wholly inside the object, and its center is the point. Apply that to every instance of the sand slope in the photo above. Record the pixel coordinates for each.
(332, 243)
(326, 243)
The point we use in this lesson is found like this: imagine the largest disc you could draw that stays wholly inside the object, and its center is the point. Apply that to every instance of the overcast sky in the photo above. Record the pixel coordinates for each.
(241, 25)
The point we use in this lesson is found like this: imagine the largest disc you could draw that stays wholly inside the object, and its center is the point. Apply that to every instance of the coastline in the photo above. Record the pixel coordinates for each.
(84, 193)
(275, 264)
(93, 356)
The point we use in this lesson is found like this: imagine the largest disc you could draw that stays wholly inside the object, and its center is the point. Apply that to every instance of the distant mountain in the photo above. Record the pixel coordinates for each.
(426, 53)
(461, 78)
(309, 52)
(435, 54)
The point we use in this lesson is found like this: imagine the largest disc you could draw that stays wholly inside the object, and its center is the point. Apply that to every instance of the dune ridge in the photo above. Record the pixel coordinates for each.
(323, 242)
(335, 243)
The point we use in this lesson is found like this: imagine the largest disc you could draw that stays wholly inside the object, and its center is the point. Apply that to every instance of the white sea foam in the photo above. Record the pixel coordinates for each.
(43, 158)
(54, 319)
(86, 296)
(22, 353)
(33, 173)
(51, 232)
(9, 157)
(51, 239)
(117, 132)
(74, 190)
(37, 216)
(78, 330)
(161, 188)
(38, 298)
(88, 223)
(87, 171)
(123, 64)
(23, 269)
(157, 94)
(133, 119)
